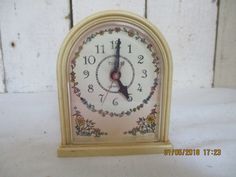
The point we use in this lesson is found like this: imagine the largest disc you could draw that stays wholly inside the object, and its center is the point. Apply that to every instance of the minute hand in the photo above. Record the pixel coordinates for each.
(117, 57)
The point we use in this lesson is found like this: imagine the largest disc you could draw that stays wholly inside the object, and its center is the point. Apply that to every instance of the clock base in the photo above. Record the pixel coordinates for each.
(112, 150)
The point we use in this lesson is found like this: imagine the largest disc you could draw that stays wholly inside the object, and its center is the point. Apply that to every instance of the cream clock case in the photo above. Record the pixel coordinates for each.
(114, 80)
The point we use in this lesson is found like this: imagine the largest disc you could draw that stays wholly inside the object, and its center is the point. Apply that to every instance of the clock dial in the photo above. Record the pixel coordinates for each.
(115, 78)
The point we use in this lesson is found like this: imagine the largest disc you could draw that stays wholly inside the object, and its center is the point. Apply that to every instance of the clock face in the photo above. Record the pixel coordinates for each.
(115, 85)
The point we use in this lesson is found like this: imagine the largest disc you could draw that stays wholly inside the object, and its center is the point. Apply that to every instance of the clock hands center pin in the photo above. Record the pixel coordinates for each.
(116, 74)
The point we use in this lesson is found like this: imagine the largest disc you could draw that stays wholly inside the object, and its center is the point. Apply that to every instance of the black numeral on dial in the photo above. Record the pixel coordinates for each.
(101, 97)
(130, 98)
(130, 50)
(113, 44)
(86, 74)
(140, 89)
(115, 102)
(144, 71)
(100, 48)
(89, 60)
(140, 59)
(90, 88)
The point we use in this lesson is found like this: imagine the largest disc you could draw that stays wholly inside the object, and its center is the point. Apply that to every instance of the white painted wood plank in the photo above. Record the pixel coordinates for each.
(32, 32)
(2, 84)
(225, 69)
(82, 9)
(189, 27)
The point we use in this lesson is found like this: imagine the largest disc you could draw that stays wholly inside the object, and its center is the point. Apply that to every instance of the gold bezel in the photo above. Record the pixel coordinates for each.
(67, 148)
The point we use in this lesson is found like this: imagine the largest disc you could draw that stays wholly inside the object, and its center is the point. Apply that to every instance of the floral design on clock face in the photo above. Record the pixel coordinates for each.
(115, 71)
(85, 127)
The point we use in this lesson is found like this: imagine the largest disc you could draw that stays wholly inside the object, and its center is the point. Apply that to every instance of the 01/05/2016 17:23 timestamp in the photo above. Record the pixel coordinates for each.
(192, 152)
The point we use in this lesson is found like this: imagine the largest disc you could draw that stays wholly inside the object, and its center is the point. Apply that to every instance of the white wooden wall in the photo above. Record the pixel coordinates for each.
(189, 27)
(225, 68)
(31, 33)
(2, 84)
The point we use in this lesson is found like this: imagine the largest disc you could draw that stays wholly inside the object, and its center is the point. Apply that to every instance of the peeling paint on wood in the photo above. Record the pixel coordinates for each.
(32, 32)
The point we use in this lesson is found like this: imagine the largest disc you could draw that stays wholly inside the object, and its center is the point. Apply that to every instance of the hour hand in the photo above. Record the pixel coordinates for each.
(115, 76)
(123, 89)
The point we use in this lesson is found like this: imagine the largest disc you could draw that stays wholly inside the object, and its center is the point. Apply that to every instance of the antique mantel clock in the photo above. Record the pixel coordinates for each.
(114, 80)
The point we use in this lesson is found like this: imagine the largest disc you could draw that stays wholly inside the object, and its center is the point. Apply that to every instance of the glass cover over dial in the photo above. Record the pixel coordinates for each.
(115, 78)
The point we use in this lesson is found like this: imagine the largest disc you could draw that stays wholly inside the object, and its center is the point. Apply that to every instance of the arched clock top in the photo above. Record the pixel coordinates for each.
(114, 76)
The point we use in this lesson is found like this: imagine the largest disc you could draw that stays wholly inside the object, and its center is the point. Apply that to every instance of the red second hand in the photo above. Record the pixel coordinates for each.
(107, 92)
